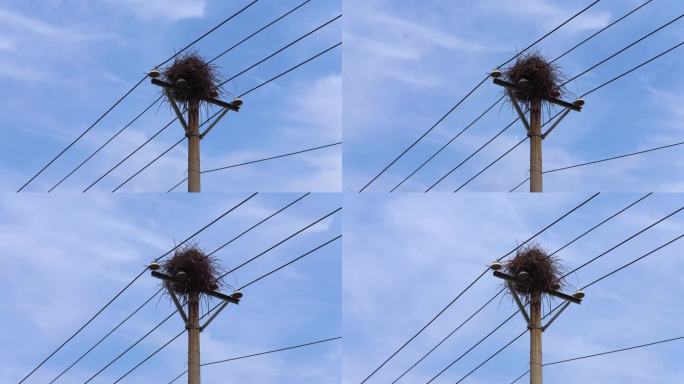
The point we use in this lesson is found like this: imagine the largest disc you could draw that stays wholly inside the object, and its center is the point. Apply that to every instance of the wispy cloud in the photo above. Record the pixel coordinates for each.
(164, 9)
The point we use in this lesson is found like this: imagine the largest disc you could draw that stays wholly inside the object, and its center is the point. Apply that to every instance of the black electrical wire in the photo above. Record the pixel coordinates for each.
(212, 309)
(258, 161)
(601, 161)
(151, 105)
(260, 354)
(558, 306)
(473, 90)
(603, 354)
(136, 85)
(498, 293)
(473, 283)
(243, 94)
(554, 60)
(585, 94)
(131, 283)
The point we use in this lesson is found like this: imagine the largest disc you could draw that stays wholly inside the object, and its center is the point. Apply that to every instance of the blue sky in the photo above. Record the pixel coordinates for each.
(406, 65)
(64, 62)
(64, 255)
(407, 256)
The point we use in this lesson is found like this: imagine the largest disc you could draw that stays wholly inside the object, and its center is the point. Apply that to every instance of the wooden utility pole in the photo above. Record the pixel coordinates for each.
(536, 338)
(534, 126)
(535, 147)
(534, 318)
(193, 338)
(193, 147)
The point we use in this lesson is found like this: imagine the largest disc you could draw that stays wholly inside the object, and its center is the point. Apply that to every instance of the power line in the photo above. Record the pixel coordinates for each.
(585, 94)
(245, 93)
(212, 309)
(558, 306)
(105, 336)
(603, 354)
(473, 283)
(270, 56)
(158, 99)
(136, 85)
(131, 283)
(473, 90)
(260, 354)
(498, 293)
(258, 161)
(566, 82)
(602, 160)
(487, 110)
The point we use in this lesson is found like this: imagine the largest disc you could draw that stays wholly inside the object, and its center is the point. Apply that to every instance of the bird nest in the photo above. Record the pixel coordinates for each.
(543, 271)
(544, 79)
(195, 78)
(194, 270)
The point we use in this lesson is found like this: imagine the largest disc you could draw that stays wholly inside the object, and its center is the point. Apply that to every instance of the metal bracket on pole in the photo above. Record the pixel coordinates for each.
(213, 316)
(216, 120)
(516, 298)
(174, 298)
(518, 109)
(555, 123)
(175, 108)
(554, 317)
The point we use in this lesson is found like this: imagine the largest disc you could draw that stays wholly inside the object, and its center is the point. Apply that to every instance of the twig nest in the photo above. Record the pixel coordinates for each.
(537, 78)
(195, 271)
(536, 269)
(197, 79)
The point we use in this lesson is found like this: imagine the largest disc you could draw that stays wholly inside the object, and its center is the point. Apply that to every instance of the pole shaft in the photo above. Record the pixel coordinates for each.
(193, 147)
(536, 339)
(535, 147)
(193, 339)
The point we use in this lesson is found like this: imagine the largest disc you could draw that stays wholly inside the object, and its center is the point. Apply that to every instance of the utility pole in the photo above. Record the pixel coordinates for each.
(534, 126)
(192, 124)
(534, 318)
(192, 318)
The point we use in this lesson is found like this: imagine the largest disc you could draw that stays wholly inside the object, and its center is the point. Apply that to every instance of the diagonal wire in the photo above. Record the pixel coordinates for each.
(602, 160)
(258, 161)
(136, 85)
(260, 354)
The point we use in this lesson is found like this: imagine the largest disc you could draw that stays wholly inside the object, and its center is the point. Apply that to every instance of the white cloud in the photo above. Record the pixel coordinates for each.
(164, 9)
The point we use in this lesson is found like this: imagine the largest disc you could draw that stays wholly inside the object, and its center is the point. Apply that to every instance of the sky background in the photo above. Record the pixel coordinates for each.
(63, 62)
(64, 256)
(407, 256)
(406, 65)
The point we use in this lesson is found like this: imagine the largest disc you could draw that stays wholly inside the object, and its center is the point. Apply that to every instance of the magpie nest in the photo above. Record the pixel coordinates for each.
(195, 271)
(201, 79)
(543, 271)
(544, 78)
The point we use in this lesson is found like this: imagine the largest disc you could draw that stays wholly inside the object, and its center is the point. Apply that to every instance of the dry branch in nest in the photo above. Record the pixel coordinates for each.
(543, 272)
(194, 270)
(544, 79)
(197, 79)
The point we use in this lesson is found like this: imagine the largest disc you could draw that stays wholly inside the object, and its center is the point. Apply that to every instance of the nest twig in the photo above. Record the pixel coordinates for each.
(199, 79)
(543, 271)
(196, 271)
(544, 79)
